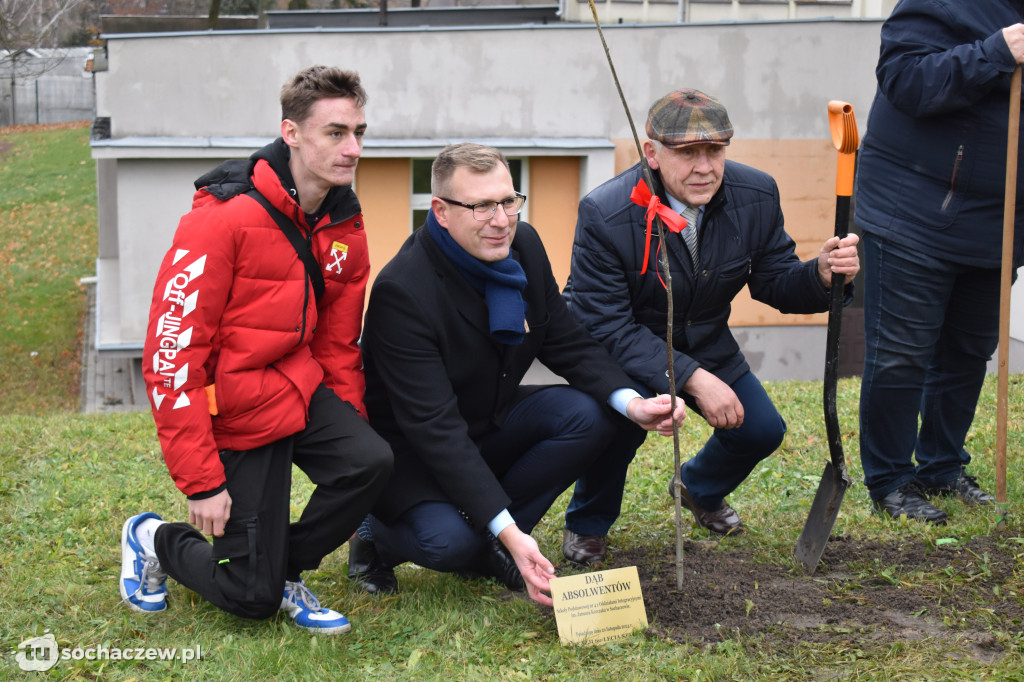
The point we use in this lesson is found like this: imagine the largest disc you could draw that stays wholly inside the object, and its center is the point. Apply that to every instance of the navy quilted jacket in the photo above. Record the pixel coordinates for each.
(742, 243)
(933, 162)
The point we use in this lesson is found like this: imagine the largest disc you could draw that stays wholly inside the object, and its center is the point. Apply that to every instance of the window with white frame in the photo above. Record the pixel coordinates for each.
(421, 194)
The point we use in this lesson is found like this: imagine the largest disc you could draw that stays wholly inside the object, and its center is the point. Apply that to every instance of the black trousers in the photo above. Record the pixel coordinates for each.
(243, 572)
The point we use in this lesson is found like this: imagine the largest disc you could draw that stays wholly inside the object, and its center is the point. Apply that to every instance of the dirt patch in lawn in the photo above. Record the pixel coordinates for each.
(863, 591)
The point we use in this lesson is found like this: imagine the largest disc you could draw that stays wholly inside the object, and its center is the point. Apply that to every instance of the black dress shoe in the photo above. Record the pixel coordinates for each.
(498, 563)
(584, 549)
(909, 500)
(966, 488)
(721, 521)
(364, 567)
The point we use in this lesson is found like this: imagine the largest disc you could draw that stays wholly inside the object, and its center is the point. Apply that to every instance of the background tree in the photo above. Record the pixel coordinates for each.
(27, 24)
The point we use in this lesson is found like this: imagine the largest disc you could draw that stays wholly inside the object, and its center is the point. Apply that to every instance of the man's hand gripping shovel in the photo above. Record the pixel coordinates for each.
(835, 480)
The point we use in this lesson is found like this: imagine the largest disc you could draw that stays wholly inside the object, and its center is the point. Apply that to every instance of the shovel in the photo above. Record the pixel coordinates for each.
(835, 480)
(1005, 276)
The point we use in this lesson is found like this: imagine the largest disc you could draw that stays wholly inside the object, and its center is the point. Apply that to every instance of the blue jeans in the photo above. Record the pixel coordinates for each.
(549, 439)
(930, 327)
(729, 456)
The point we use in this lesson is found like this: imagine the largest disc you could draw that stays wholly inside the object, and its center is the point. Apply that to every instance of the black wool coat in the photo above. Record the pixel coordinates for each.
(437, 383)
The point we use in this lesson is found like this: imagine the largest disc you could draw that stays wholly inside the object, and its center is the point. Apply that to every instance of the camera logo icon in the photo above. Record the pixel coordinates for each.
(38, 653)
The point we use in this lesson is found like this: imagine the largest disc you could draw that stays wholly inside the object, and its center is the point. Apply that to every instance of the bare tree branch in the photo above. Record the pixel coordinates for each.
(27, 24)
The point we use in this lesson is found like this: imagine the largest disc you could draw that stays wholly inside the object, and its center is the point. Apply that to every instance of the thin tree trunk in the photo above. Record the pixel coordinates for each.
(214, 14)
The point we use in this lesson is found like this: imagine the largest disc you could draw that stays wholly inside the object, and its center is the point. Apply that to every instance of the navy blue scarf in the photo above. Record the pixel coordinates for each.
(500, 283)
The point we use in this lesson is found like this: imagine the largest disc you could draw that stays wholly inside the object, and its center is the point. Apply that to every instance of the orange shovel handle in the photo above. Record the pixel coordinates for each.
(843, 125)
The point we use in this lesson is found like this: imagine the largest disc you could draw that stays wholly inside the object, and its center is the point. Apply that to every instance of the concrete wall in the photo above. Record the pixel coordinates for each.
(614, 11)
(537, 81)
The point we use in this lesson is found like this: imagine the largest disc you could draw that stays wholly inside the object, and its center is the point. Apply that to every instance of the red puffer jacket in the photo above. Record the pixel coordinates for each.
(237, 342)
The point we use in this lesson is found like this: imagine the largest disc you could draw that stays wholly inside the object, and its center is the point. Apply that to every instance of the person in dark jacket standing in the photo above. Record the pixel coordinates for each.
(929, 200)
(733, 237)
(252, 363)
(454, 322)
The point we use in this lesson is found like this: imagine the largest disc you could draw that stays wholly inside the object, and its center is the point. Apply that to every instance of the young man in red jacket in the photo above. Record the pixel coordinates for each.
(251, 363)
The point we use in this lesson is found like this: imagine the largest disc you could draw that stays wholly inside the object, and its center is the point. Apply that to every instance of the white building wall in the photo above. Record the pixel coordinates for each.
(708, 11)
(537, 81)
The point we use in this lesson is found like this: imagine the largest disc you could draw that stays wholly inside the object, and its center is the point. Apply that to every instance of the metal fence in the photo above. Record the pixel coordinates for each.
(46, 86)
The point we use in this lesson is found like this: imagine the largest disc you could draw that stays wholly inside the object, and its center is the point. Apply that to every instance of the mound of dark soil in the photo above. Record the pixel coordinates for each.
(874, 591)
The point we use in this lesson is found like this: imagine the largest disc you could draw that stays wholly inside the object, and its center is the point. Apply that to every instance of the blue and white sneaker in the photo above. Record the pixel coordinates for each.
(305, 610)
(142, 580)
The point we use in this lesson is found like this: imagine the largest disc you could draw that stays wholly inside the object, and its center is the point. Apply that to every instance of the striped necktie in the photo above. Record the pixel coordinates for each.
(690, 235)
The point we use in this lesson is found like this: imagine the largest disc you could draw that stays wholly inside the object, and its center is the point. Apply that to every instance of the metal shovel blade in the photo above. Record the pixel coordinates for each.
(835, 481)
(824, 510)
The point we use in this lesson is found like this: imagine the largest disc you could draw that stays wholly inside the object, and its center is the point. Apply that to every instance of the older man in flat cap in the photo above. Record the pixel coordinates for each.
(726, 231)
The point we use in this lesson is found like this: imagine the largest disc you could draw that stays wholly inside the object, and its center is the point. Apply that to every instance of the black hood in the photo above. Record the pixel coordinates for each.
(234, 177)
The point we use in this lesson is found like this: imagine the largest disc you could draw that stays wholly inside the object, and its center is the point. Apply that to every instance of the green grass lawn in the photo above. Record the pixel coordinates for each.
(48, 240)
(68, 481)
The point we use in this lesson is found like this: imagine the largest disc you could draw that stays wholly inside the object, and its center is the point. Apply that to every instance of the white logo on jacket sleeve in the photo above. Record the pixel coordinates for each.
(190, 303)
(180, 376)
(185, 338)
(167, 327)
(174, 383)
(182, 401)
(171, 338)
(175, 289)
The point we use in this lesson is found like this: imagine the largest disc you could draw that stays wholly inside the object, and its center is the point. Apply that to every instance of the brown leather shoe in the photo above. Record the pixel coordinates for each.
(584, 549)
(722, 521)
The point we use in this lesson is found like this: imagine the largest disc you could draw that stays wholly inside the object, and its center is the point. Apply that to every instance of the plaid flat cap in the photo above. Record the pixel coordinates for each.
(687, 117)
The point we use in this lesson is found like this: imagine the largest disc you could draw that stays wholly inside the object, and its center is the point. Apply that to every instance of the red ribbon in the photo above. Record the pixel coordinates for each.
(641, 196)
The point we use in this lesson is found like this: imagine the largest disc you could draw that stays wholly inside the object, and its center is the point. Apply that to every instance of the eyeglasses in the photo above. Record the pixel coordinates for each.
(485, 210)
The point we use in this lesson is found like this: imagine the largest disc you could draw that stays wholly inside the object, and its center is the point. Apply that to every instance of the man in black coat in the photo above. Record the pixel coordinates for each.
(734, 237)
(454, 322)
